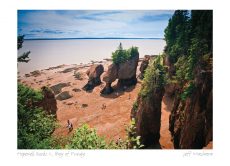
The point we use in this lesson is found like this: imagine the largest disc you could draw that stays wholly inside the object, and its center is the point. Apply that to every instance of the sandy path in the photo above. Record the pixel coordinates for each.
(165, 139)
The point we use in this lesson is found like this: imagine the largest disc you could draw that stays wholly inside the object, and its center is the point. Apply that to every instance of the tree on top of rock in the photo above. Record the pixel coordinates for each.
(121, 55)
(120, 47)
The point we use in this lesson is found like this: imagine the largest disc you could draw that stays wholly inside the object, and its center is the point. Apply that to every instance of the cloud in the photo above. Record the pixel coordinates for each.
(98, 15)
(148, 18)
(92, 23)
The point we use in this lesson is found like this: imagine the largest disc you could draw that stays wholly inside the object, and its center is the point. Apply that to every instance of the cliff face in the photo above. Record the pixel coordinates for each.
(191, 120)
(48, 103)
(148, 117)
(144, 65)
(147, 109)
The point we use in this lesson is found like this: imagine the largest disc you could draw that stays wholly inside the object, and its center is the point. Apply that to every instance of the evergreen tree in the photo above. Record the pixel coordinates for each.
(201, 28)
(25, 56)
(122, 55)
(186, 35)
(189, 40)
(120, 47)
(177, 35)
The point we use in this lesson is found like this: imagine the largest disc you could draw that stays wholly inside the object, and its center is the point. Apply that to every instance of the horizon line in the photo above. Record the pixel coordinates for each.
(93, 38)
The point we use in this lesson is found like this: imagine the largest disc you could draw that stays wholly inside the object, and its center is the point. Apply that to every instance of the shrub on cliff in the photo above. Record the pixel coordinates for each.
(121, 55)
(133, 141)
(154, 77)
(135, 106)
(34, 125)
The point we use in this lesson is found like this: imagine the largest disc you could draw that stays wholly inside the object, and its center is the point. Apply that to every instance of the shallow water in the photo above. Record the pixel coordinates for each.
(47, 53)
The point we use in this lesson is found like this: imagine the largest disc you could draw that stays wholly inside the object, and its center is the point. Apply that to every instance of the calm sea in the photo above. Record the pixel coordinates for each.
(49, 53)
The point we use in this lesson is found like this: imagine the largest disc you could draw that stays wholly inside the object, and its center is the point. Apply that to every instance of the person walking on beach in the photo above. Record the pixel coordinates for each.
(103, 106)
(69, 126)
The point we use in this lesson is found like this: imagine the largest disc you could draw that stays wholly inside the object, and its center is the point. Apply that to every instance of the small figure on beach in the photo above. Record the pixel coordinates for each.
(129, 96)
(69, 126)
(103, 106)
(118, 141)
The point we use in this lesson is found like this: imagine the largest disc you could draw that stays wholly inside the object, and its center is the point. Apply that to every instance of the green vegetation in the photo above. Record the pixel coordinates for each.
(189, 38)
(34, 125)
(133, 141)
(25, 56)
(154, 77)
(184, 69)
(121, 55)
(135, 106)
(35, 128)
(78, 75)
(85, 137)
(188, 90)
(177, 35)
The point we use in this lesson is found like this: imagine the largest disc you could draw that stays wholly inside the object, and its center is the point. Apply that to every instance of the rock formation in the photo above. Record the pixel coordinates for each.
(171, 68)
(63, 96)
(147, 112)
(124, 72)
(191, 120)
(127, 72)
(58, 87)
(109, 77)
(144, 65)
(148, 118)
(35, 73)
(187, 81)
(48, 103)
(170, 89)
(94, 73)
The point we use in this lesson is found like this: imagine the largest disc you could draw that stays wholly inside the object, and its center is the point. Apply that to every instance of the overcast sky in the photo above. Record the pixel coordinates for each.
(92, 23)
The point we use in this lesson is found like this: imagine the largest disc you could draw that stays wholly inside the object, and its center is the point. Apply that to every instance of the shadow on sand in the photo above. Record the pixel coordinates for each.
(118, 91)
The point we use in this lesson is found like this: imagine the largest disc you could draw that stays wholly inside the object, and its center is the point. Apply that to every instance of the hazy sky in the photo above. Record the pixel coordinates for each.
(92, 23)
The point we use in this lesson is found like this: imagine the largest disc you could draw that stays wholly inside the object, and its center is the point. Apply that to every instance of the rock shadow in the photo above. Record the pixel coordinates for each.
(154, 146)
(118, 91)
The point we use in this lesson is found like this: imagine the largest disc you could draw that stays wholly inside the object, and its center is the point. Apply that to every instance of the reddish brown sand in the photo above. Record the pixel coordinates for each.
(209, 146)
(110, 122)
(165, 139)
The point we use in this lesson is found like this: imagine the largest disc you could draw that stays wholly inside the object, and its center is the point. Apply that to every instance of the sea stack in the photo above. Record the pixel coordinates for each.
(94, 73)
